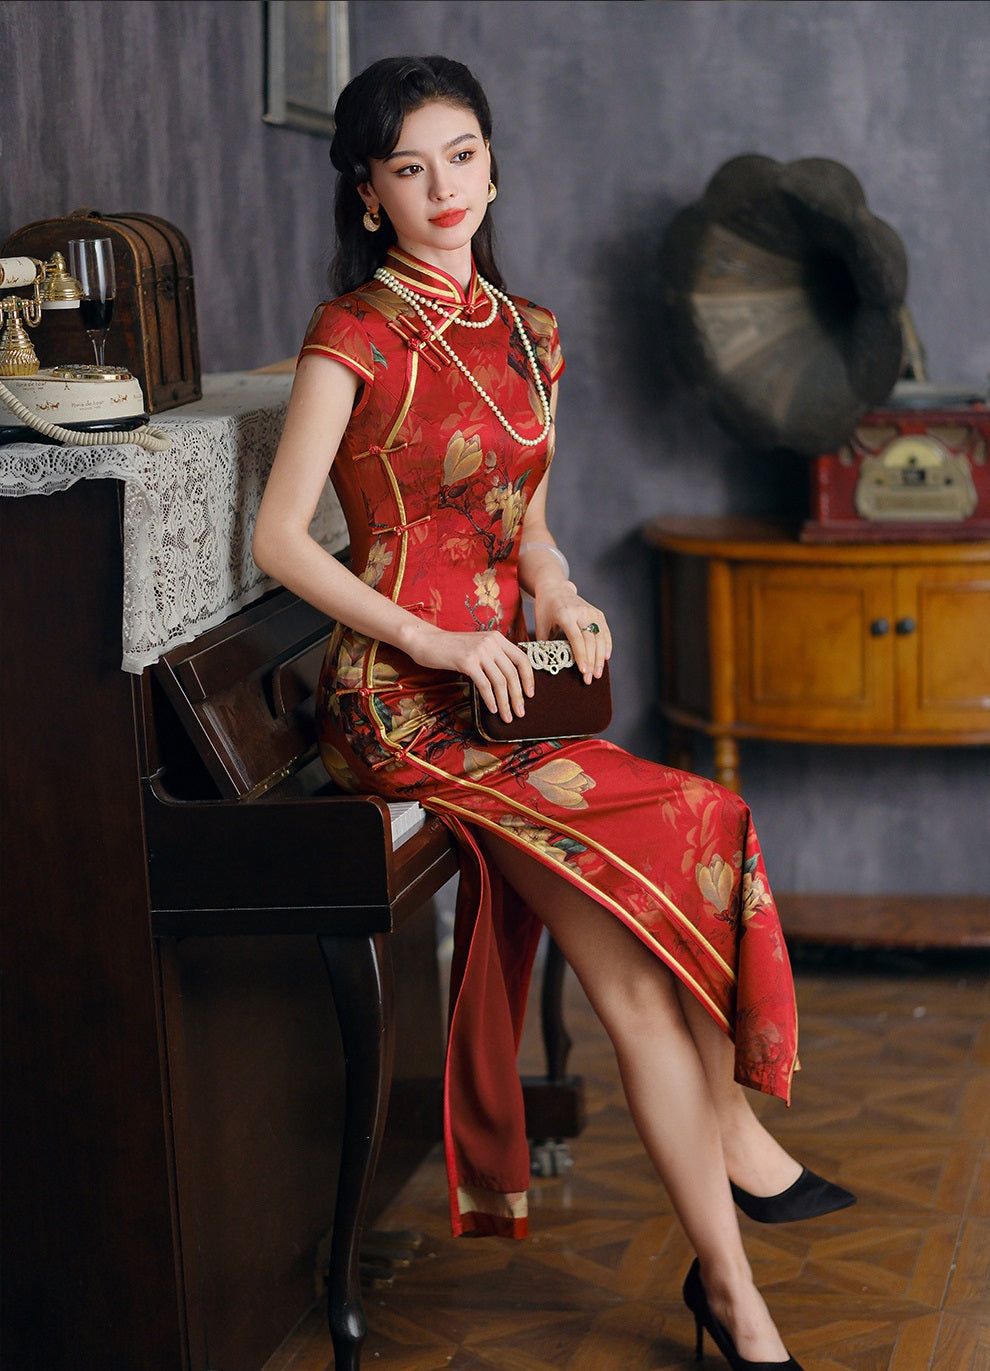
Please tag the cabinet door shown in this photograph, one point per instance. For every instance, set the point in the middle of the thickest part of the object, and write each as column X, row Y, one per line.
column 942, row 637
column 815, row 649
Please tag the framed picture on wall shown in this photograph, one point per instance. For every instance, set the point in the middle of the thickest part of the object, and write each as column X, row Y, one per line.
column 307, row 62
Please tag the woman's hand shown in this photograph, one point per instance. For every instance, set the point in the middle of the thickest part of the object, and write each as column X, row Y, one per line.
column 501, row 671
column 559, row 609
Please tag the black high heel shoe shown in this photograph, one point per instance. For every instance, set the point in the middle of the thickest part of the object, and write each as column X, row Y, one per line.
column 697, row 1301
column 807, row 1198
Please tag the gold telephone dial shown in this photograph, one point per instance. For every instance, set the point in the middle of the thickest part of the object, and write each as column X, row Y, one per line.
column 98, row 406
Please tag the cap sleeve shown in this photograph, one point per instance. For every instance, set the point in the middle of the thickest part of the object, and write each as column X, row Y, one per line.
column 555, row 358
column 543, row 326
column 334, row 332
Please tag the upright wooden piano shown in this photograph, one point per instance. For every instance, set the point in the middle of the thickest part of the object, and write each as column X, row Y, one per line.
column 176, row 1096
column 173, row 1085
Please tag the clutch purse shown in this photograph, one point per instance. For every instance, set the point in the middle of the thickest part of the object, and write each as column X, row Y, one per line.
column 563, row 705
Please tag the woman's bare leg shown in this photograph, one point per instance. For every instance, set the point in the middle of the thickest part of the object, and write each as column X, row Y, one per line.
column 665, row 1082
column 753, row 1157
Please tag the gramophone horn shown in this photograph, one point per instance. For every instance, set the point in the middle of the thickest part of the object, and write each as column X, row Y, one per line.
column 783, row 295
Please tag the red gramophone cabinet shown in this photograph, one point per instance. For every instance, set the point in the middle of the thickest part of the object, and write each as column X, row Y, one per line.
column 906, row 474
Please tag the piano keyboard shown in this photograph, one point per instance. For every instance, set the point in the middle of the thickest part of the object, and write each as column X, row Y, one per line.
column 407, row 817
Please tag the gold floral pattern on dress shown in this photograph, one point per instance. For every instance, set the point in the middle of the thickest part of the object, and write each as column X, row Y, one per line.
column 390, row 307
column 338, row 768
column 563, row 782
column 477, row 762
column 406, row 716
column 486, row 591
column 458, row 547
column 716, row 881
column 510, row 503
column 756, row 897
column 542, row 840
column 462, row 459
column 383, row 676
column 351, row 656
column 379, row 559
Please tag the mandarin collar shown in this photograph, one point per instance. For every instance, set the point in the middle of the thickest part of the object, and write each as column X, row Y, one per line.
column 434, row 282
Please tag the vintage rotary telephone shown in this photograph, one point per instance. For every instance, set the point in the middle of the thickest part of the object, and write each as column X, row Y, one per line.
column 98, row 406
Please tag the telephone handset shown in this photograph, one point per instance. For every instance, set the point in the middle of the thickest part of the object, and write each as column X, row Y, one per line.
column 98, row 406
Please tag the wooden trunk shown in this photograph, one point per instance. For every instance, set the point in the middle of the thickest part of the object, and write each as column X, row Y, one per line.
column 153, row 331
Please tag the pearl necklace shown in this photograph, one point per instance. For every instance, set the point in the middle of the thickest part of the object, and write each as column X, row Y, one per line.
column 421, row 302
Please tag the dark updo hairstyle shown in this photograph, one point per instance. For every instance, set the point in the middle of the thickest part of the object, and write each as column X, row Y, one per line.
column 368, row 116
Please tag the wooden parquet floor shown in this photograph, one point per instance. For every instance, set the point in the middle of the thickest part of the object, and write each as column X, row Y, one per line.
column 893, row 1101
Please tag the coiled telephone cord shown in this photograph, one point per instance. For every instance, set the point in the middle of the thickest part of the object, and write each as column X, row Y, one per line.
column 153, row 439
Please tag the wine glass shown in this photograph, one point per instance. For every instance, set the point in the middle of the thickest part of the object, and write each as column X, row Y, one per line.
column 91, row 263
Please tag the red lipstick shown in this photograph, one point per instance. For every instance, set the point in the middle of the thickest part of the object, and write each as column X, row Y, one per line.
column 449, row 219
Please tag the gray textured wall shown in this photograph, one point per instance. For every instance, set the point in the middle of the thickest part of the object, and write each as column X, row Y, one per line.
column 609, row 116
column 156, row 106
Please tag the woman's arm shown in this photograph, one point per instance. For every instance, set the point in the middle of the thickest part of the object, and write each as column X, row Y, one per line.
column 322, row 398
column 556, row 602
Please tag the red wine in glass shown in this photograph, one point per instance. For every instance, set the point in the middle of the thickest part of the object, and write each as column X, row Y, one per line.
column 91, row 263
column 96, row 315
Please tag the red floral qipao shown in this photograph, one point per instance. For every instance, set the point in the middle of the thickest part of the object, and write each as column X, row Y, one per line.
column 434, row 490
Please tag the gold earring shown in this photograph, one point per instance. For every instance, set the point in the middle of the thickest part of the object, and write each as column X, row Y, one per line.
column 372, row 220
column 492, row 191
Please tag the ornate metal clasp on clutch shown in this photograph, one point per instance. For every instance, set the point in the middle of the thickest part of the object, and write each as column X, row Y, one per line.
column 549, row 654
column 563, row 704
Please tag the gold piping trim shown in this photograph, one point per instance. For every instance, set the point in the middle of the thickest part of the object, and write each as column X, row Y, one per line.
column 341, row 357
column 403, row 410
column 390, row 474
column 420, row 274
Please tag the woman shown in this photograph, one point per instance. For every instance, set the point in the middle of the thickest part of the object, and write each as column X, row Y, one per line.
column 430, row 394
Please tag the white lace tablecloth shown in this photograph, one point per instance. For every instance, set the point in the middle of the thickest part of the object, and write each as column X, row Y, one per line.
column 189, row 512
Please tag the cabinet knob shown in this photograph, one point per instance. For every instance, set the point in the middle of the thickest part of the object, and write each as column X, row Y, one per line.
column 905, row 626
column 880, row 627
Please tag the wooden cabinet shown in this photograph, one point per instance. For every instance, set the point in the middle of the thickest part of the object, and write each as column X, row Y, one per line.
column 766, row 637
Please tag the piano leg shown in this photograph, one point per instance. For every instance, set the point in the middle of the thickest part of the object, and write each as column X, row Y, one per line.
column 361, row 975
column 556, row 1039
column 554, row 1103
